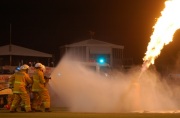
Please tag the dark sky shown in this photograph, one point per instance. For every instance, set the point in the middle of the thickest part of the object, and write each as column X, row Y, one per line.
column 45, row 25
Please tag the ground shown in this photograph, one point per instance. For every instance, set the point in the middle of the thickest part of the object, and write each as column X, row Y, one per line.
column 63, row 113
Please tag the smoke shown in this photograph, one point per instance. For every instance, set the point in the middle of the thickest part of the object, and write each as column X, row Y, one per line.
column 82, row 90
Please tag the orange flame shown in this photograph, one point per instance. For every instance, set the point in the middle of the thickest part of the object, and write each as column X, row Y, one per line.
column 164, row 29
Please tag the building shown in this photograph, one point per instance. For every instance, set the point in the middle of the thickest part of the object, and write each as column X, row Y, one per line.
column 95, row 50
column 13, row 55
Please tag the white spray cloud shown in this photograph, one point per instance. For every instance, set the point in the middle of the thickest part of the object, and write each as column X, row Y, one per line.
column 82, row 90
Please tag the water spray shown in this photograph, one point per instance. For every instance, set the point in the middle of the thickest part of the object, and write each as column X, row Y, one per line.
column 144, row 67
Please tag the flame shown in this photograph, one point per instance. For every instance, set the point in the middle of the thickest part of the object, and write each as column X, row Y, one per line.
column 164, row 29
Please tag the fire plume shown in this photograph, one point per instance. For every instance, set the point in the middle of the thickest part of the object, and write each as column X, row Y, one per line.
column 164, row 29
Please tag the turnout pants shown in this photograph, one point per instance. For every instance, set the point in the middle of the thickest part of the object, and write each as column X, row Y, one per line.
column 41, row 97
column 17, row 99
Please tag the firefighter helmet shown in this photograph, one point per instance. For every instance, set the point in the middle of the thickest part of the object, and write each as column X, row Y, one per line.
column 18, row 68
column 24, row 67
column 38, row 65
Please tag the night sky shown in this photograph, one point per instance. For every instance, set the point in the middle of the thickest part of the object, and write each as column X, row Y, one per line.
column 45, row 25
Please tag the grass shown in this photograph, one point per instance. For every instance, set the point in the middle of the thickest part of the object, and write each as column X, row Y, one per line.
column 61, row 113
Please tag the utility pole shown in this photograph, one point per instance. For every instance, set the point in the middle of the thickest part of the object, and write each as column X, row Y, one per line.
column 10, row 56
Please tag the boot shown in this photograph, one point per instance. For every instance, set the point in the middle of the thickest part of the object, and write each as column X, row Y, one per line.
column 35, row 110
column 13, row 111
column 47, row 110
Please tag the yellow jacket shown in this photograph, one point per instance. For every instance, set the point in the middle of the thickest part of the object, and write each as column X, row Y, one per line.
column 20, row 80
column 38, row 81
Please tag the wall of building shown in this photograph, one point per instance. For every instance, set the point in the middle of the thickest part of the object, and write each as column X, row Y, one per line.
column 112, row 56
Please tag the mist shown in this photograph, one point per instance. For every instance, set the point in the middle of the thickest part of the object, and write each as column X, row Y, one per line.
column 81, row 89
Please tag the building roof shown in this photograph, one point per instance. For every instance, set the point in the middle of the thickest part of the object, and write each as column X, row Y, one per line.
column 93, row 42
column 21, row 51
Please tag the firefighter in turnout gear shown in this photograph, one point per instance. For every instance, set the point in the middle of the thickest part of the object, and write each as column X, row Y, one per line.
column 21, row 80
column 39, row 89
column 11, row 96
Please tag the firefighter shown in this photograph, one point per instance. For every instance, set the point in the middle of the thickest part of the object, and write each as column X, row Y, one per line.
column 21, row 80
column 37, row 98
column 10, row 97
column 39, row 89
